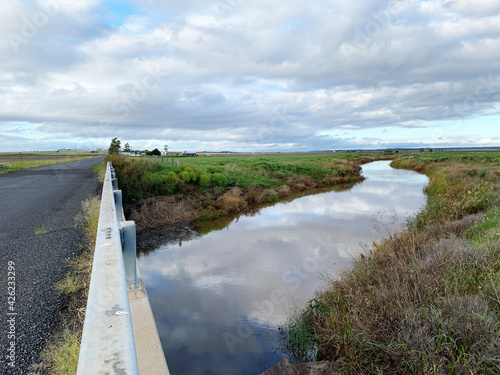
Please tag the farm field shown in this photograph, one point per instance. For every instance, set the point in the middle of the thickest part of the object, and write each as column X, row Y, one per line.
column 237, row 170
column 13, row 161
column 206, row 188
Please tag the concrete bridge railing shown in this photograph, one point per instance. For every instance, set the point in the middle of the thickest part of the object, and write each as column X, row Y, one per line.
column 108, row 343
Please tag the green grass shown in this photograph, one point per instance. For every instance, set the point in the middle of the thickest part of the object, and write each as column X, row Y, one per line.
column 101, row 170
column 425, row 301
column 64, row 357
column 70, row 284
column 487, row 229
column 460, row 183
column 42, row 229
column 17, row 161
column 142, row 178
column 208, row 188
column 265, row 168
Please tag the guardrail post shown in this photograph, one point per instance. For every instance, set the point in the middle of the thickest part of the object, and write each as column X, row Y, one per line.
column 130, row 254
column 114, row 182
column 119, row 206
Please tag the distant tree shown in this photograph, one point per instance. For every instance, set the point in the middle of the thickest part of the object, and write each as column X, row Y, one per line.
column 431, row 150
column 156, row 152
column 422, row 150
column 114, row 147
column 127, row 148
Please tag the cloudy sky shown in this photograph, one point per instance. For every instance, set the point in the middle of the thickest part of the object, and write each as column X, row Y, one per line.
column 249, row 75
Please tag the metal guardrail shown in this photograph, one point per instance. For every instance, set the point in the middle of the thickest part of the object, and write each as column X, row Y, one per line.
column 108, row 345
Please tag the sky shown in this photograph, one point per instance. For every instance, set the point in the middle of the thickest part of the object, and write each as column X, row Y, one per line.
column 249, row 75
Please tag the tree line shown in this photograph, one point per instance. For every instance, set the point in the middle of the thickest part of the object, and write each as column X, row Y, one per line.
column 115, row 147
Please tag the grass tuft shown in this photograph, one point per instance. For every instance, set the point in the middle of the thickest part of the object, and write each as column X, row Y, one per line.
column 64, row 358
column 42, row 229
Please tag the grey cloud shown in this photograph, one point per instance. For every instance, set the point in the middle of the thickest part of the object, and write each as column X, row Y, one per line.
column 255, row 68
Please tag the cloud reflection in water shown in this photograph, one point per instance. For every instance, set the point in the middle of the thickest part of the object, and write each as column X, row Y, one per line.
column 224, row 282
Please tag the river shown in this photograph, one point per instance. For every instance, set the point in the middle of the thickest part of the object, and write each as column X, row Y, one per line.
column 218, row 296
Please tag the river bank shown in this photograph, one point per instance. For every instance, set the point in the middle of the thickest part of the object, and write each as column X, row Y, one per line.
column 205, row 189
column 423, row 301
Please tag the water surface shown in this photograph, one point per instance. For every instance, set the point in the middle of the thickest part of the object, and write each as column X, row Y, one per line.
column 219, row 297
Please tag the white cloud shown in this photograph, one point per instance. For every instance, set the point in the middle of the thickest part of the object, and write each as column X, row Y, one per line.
column 260, row 75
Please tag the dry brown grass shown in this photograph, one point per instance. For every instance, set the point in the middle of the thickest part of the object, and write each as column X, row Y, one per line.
column 284, row 190
column 231, row 201
column 160, row 211
column 417, row 304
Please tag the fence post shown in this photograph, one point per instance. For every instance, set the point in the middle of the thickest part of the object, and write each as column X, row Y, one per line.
column 178, row 162
column 129, row 246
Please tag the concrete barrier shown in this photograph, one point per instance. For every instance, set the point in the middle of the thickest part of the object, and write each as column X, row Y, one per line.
column 109, row 334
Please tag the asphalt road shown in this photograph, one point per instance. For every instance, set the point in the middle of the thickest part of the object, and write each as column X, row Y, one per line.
column 43, row 199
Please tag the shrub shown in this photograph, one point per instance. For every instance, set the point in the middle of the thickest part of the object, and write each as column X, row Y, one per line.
column 218, row 179
column 187, row 176
column 168, row 184
column 205, row 180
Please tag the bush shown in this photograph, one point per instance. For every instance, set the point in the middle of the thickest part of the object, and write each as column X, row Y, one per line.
column 218, row 179
column 205, row 180
column 168, row 184
column 188, row 176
